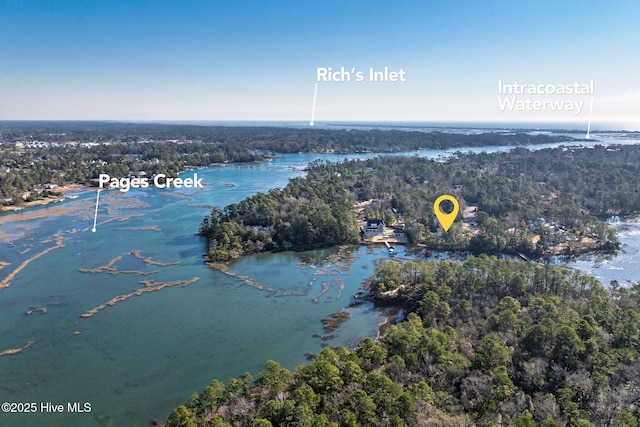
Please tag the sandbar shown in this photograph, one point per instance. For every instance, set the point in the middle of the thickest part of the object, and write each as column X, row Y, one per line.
column 7, row 280
column 13, row 351
column 110, row 267
column 150, row 286
column 147, row 260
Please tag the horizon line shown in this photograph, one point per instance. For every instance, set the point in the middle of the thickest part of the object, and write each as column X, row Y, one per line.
column 451, row 124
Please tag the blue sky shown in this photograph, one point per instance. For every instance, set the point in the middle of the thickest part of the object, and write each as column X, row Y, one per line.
column 257, row 60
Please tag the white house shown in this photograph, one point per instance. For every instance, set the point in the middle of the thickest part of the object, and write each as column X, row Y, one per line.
column 373, row 227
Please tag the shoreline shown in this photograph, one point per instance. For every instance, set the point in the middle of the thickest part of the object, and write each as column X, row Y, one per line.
column 60, row 191
column 222, row 265
column 61, row 195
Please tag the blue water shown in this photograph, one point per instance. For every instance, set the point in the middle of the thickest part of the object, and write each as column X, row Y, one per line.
column 624, row 266
column 143, row 356
column 138, row 359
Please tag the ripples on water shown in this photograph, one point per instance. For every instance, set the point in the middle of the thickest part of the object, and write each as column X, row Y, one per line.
column 144, row 355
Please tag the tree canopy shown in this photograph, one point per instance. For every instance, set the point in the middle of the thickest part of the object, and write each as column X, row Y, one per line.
column 537, row 345
column 534, row 203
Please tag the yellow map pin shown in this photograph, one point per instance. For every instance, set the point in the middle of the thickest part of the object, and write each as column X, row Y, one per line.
column 446, row 219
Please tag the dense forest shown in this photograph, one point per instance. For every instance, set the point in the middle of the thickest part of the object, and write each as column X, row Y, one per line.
column 486, row 342
column 38, row 154
column 273, row 139
column 534, row 203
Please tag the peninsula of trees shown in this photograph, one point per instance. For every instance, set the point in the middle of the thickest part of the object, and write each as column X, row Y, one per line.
column 533, row 203
column 486, row 342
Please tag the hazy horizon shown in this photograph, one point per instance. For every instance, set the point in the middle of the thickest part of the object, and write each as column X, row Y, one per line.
column 489, row 125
